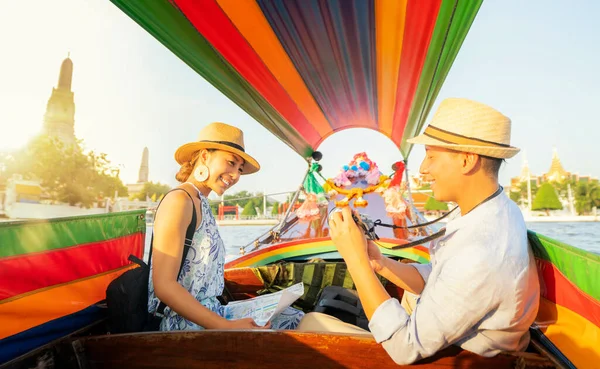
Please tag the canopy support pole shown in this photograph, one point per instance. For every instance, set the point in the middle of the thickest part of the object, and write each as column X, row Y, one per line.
column 410, row 198
column 294, row 199
column 274, row 232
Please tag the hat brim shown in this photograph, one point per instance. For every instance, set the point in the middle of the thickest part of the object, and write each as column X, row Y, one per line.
column 494, row 152
column 184, row 154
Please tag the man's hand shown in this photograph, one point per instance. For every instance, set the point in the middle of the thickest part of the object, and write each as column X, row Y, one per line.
column 347, row 237
column 376, row 258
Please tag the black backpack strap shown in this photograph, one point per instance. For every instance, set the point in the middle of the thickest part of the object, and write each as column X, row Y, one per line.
column 187, row 244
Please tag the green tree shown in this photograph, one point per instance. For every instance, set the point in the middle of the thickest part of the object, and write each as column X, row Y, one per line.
column 66, row 173
column 515, row 196
column 275, row 209
column 546, row 199
column 521, row 195
column 433, row 204
column 249, row 209
column 151, row 188
column 587, row 196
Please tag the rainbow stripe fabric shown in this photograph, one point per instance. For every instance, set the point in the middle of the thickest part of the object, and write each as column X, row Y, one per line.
column 53, row 272
column 569, row 314
column 305, row 69
column 316, row 247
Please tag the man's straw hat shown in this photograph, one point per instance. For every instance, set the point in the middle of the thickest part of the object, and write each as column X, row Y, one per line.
column 219, row 136
column 468, row 126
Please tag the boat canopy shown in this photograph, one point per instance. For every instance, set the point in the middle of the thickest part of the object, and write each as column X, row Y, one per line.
column 305, row 69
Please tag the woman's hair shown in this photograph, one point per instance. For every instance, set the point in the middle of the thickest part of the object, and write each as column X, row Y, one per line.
column 186, row 168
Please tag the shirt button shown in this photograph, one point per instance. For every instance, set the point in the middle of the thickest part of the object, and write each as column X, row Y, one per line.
column 442, row 243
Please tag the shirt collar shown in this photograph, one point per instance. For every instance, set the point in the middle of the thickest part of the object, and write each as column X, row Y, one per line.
column 475, row 215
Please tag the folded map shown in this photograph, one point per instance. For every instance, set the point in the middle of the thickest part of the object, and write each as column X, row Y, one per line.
column 264, row 308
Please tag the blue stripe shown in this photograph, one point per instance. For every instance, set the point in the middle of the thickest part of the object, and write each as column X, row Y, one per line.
column 21, row 343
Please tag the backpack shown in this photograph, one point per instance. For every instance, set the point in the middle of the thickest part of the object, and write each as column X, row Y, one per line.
column 343, row 304
column 127, row 295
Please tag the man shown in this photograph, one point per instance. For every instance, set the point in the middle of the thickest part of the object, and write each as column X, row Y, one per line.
column 480, row 290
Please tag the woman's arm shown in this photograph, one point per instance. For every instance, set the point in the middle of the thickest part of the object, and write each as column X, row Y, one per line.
column 171, row 222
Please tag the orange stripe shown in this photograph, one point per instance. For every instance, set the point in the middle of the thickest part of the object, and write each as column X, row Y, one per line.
column 307, row 247
column 576, row 337
column 389, row 27
column 452, row 138
column 251, row 23
column 31, row 310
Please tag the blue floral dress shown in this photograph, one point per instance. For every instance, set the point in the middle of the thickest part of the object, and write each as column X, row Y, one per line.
column 203, row 276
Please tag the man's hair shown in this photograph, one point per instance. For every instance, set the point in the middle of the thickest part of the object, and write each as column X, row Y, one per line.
column 491, row 165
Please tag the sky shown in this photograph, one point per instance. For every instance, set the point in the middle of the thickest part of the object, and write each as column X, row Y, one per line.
column 535, row 61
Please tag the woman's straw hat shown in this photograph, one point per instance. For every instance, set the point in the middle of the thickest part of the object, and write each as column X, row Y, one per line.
column 219, row 136
column 468, row 126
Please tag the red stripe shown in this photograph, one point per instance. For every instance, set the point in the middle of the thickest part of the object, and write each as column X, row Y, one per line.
column 421, row 17
column 30, row 272
column 555, row 287
column 312, row 240
column 210, row 20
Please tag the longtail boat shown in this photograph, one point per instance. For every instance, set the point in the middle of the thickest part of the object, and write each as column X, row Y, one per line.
column 304, row 69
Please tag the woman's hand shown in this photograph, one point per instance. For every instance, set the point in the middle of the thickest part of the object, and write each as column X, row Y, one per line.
column 246, row 323
column 347, row 237
column 376, row 258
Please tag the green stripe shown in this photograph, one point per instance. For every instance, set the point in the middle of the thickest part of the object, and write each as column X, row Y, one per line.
column 580, row 267
column 26, row 237
column 169, row 26
column 446, row 41
column 315, row 251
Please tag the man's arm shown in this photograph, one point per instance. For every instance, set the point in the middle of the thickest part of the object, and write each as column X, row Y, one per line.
column 459, row 299
column 409, row 277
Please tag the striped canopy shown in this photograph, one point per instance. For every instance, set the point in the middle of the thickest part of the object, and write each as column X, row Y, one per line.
column 305, row 69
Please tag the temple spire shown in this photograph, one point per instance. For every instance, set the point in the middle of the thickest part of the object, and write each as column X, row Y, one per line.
column 66, row 74
column 144, row 167
column 59, row 120
column 556, row 173
column 525, row 171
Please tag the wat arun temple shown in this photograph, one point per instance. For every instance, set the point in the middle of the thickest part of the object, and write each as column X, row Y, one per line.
column 58, row 123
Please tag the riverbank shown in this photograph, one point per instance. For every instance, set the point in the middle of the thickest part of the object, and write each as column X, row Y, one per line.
column 562, row 218
column 247, row 222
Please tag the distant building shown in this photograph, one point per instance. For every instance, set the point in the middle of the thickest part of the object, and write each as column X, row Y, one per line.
column 143, row 174
column 557, row 173
column 59, row 120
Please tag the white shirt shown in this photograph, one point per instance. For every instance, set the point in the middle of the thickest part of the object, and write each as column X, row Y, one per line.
column 481, row 290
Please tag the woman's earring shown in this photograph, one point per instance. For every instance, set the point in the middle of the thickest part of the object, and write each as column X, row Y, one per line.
column 201, row 173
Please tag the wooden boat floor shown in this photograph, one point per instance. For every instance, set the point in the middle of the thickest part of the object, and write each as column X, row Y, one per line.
column 267, row 349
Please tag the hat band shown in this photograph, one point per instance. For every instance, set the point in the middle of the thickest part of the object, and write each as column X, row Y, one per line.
column 227, row 143
column 455, row 138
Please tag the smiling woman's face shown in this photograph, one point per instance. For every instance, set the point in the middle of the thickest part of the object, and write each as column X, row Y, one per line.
column 224, row 168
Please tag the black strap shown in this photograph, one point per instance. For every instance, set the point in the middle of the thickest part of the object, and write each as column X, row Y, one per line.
column 187, row 244
column 432, row 237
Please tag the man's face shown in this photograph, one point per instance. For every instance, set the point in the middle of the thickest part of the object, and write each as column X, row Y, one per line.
column 441, row 167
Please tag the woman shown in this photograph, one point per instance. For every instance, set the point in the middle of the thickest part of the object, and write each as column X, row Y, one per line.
column 214, row 163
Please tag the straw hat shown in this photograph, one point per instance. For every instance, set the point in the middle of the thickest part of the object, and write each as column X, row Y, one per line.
column 219, row 136
column 468, row 126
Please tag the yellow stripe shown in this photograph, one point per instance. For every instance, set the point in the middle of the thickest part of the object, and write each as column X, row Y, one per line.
column 389, row 26
column 576, row 337
column 452, row 138
column 49, row 304
column 254, row 27
column 307, row 247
